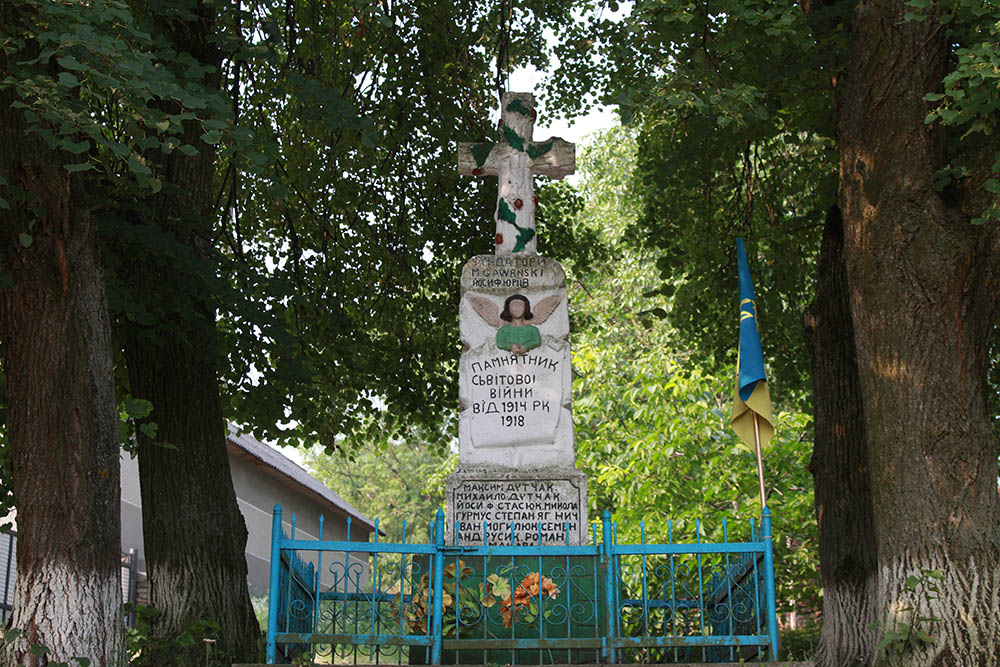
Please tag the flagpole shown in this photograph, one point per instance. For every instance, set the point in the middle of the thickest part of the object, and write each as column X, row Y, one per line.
column 760, row 462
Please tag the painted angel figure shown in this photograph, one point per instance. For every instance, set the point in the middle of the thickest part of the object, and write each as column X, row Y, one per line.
column 513, row 331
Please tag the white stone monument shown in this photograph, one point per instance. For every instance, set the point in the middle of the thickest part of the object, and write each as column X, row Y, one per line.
column 517, row 463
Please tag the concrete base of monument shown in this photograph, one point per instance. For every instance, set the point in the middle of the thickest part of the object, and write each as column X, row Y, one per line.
column 524, row 507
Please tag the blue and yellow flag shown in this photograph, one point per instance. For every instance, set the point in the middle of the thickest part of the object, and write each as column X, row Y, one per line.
column 751, row 395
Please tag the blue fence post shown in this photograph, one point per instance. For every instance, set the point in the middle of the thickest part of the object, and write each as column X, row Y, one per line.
column 437, row 625
column 772, row 613
column 317, row 588
column 272, row 599
column 608, row 558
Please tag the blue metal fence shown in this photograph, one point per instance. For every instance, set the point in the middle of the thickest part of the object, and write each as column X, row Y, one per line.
column 434, row 603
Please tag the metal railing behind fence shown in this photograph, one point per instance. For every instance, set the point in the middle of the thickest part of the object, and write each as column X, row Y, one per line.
column 434, row 603
column 8, row 561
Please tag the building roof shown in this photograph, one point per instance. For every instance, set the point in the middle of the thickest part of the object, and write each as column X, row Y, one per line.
column 285, row 467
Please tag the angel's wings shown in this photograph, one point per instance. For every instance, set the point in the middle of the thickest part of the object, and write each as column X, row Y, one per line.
column 487, row 310
column 544, row 308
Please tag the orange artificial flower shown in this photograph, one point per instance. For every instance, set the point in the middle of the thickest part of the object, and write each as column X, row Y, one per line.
column 526, row 590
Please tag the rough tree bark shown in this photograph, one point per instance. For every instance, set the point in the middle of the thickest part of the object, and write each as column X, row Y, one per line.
column 924, row 299
column 839, row 465
column 62, row 423
column 193, row 531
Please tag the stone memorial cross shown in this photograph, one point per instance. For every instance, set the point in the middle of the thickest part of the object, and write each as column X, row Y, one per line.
column 517, row 481
column 515, row 161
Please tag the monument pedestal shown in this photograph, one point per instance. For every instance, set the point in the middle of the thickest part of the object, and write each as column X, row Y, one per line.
column 517, row 482
column 538, row 505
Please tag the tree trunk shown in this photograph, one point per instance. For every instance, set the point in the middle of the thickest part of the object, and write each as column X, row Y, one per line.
column 840, row 465
column 62, row 423
column 924, row 298
column 193, row 532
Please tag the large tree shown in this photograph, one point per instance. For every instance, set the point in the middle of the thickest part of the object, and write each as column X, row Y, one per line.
column 749, row 112
column 120, row 95
column 920, row 275
column 193, row 532
column 321, row 210
column 61, row 421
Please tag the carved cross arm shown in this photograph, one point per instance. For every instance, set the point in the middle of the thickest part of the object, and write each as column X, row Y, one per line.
column 480, row 159
column 554, row 158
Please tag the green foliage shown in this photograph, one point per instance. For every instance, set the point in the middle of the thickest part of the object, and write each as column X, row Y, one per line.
column 731, row 145
column 91, row 85
column 652, row 422
column 343, row 226
column 130, row 413
column 12, row 634
column 922, row 590
column 395, row 475
column 144, row 649
column 800, row 643
column 968, row 101
column 559, row 235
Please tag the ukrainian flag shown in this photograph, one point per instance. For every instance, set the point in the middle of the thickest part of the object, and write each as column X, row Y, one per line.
column 751, row 395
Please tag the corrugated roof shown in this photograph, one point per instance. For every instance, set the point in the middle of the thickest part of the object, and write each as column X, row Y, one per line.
column 281, row 463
